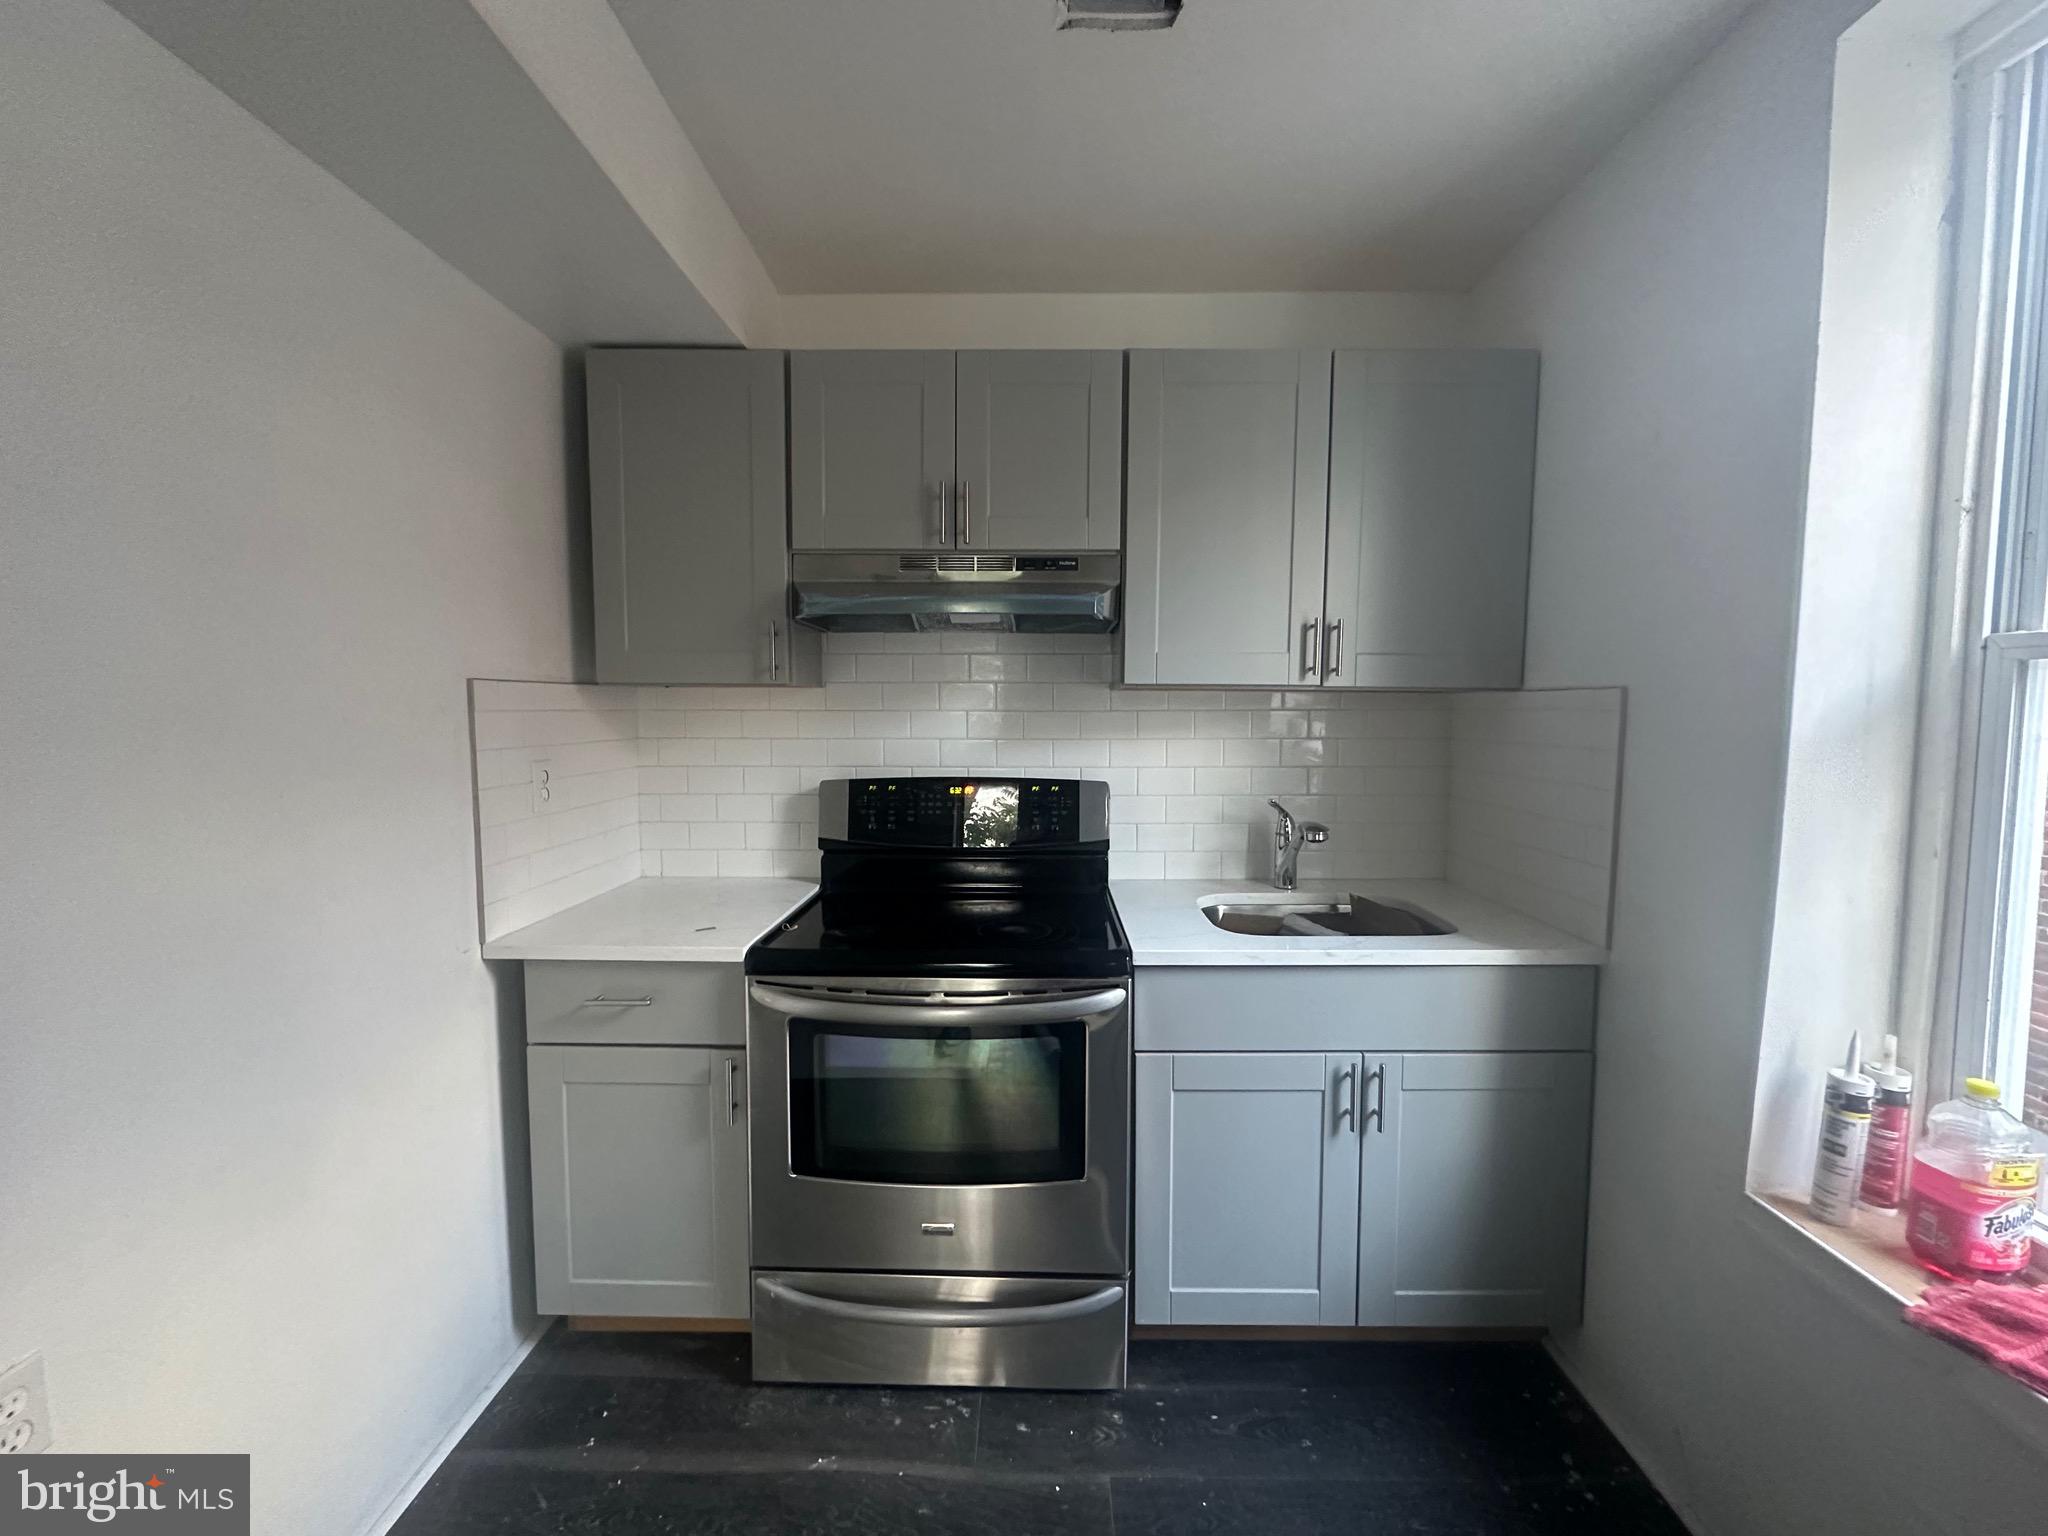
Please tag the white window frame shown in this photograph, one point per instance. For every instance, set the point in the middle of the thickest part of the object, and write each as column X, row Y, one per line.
column 1987, row 621
column 2004, row 869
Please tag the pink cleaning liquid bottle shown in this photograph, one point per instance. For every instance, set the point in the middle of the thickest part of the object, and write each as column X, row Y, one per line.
column 1970, row 1202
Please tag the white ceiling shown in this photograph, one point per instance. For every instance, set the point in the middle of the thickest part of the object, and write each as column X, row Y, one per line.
column 966, row 146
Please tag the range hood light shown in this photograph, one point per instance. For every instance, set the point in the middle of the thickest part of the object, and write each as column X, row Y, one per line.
column 921, row 590
column 1117, row 15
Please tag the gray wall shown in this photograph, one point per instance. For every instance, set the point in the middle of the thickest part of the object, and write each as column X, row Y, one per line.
column 1675, row 296
column 273, row 482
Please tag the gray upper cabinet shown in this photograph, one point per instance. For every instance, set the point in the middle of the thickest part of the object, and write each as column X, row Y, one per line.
column 1040, row 450
column 1472, row 1201
column 1228, row 456
column 1432, row 458
column 688, row 519
column 639, row 1180
column 983, row 451
column 1246, row 1206
column 871, row 450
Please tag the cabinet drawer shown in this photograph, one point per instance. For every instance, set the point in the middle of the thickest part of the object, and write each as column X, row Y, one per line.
column 574, row 1002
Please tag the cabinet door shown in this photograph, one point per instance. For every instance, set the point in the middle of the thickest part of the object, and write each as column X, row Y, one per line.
column 1229, row 460
column 1040, row 450
column 1432, row 463
column 688, row 521
column 639, row 1180
column 1247, row 1188
column 1472, row 1202
column 871, row 450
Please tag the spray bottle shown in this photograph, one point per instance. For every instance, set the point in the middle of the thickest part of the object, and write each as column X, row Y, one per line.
column 1844, row 1138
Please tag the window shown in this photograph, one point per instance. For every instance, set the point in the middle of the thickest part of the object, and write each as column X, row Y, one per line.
column 1995, row 988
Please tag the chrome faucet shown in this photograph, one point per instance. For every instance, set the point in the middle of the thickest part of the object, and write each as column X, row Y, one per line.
column 1288, row 837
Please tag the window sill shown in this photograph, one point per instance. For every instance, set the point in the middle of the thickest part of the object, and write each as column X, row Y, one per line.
column 1875, row 1246
column 1869, row 1267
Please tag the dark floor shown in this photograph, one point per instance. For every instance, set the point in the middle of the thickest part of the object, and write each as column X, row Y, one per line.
column 633, row 1434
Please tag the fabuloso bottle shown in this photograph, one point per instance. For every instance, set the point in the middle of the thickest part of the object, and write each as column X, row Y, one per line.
column 1891, row 1130
column 1970, row 1212
column 1844, row 1137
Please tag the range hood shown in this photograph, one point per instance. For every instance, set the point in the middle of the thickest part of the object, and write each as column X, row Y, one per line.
column 1028, row 594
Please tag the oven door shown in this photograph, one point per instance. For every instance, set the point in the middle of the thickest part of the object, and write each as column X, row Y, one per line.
column 962, row 1127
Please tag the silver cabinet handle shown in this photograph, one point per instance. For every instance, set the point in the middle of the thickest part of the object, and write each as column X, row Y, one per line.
column 939, row 494
column 1309, row 629
column 774, row 653
column 945, row 1317
column 1348, row 1110
column 1333, row 648
column 1377, row 1115
column 732, row 1090
column 833, row 1010
column 966, row 512
column 601, row 1001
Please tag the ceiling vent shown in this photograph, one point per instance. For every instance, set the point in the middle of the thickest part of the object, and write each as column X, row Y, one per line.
column 1118, row 15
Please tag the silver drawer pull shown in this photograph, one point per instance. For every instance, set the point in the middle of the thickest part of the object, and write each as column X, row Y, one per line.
column 1062, row 1009
column 601, row 1001
column 944, row 1317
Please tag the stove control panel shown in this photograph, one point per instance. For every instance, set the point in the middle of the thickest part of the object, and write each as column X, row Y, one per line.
column 963, row 813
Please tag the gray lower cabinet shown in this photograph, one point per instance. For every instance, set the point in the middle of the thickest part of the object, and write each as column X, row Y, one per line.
column 639, row 1180
column 688, row 519
column 1432, row 468
column 1228, row 460
column 1247, row 1188
column 1431, row 1189
column 1472, row 1190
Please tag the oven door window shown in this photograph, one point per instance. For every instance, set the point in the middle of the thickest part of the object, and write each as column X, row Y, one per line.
column 888, row 1104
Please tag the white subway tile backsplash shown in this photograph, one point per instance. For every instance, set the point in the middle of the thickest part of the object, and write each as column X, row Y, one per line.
column 1166, row 781
column 967, row 696
column 882, row 669
column 536, row 857
column 1017, row 696
column 1162, row 836
column 1512, row 794
column 941, row 668
column 1532, row 801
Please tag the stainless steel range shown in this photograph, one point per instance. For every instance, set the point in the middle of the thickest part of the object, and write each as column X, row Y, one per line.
column 939, row 1058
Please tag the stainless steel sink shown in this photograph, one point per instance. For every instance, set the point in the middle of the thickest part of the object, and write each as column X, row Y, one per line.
column 1357, row 918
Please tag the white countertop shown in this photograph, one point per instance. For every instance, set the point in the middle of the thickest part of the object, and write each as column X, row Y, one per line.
column 659, row 919
column 1166, row 927
column 715, row 920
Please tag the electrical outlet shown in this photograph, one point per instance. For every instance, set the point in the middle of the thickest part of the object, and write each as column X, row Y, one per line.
column 543, row 786
column 24, row 1408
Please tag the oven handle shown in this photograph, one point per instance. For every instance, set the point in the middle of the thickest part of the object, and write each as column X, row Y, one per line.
column 945, row 1317
column 836, row 1010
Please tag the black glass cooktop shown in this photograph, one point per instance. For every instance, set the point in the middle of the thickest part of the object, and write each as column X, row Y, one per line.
column 1063, row 935
column 952, row 876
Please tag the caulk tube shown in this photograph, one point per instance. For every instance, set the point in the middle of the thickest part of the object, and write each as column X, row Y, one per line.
column 1844, row 1138
column 1891, row 1130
